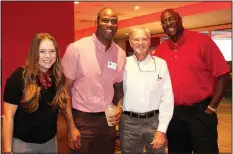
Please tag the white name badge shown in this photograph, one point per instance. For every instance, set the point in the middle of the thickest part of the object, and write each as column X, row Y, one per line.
column 112, row 65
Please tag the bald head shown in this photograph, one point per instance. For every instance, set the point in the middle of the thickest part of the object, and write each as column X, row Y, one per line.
column 107, row 25
column 172, row 24
column 170, row 11
column 106, row 11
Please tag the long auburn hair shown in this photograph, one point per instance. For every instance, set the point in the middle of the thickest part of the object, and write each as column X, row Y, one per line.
column 31, row 92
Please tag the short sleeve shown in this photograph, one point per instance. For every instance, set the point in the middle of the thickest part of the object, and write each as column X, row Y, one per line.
column 14, row 87
column 214, row 58
column 70, row 62
column 122, row 63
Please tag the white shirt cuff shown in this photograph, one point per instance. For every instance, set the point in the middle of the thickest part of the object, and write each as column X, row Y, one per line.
column 162, row 128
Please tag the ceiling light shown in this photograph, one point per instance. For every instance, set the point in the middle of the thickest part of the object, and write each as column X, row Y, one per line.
column 76, row 2
column 126, row 33
column 136, row 7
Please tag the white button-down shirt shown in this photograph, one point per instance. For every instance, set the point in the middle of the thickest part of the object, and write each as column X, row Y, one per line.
column 148, row 89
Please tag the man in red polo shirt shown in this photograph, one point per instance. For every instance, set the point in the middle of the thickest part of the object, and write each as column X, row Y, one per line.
column 199, row 76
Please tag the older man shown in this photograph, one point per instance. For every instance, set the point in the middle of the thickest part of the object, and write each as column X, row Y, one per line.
column 148, row 98
column 94, row 68
column 199, row 75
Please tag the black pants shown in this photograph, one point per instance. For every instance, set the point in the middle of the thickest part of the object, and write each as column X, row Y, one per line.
column 192, row 129
column 96, row 136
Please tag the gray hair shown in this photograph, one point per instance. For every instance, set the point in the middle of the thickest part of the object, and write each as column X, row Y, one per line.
column 147, row 30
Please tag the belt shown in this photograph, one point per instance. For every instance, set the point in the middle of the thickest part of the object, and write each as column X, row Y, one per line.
column 142, row 115
column 201, row 104
column 89, row 113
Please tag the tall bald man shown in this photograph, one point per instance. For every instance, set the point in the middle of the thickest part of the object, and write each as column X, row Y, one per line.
column 199, row 76
column 94, row 68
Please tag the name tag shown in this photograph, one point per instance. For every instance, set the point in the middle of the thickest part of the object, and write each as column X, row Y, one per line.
column 112, row 65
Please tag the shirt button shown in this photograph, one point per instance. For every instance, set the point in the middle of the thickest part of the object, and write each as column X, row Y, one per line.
column 175, row 55
column 175, row 50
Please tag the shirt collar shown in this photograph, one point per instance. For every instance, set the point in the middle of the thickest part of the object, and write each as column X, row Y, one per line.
column 148, row 58
column 180, row 41
column 99, row 45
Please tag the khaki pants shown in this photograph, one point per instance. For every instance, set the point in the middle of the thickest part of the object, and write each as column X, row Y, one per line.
column 137, row 134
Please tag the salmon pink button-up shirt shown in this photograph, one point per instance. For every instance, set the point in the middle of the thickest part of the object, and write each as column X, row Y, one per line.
column 94, row 72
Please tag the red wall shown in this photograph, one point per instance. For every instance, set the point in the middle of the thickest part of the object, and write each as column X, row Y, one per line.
column 22, row 20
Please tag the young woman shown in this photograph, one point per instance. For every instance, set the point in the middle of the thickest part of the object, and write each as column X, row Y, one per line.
column 33, row 94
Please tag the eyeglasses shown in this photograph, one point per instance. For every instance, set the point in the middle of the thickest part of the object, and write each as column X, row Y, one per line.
column 171, row 19
column 146, row 70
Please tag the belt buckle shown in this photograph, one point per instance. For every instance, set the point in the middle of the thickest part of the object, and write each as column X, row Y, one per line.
column 201, row 105
column 153, row 113
column 130, row 114
column 198, row 104
column 141, row 114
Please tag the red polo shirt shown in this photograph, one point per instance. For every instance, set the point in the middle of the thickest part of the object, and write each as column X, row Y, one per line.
column 194, row 63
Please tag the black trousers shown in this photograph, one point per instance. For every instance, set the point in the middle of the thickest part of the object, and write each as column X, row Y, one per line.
column 96, row 136
column 192, row 129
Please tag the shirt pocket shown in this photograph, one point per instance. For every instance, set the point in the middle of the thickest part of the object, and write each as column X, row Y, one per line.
column 154, row 81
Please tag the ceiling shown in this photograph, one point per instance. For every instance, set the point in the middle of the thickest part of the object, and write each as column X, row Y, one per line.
column 84, row 18
column 189, row 22
column 195, row 14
